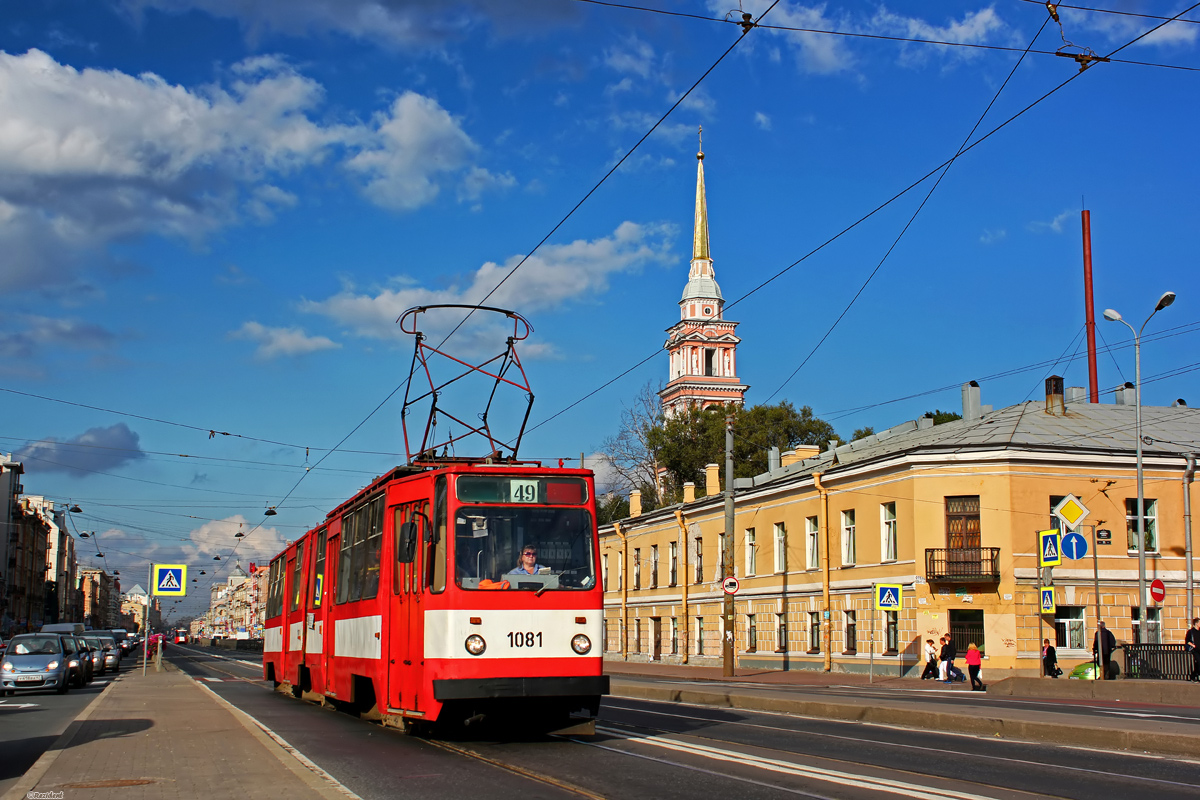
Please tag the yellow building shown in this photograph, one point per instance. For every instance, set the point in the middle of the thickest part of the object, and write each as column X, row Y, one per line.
column 950, row 512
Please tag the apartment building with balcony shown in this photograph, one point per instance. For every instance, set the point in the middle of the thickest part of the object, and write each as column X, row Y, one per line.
column 949, row 512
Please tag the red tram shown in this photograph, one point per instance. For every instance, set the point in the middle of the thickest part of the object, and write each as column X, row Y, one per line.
column 444, row 593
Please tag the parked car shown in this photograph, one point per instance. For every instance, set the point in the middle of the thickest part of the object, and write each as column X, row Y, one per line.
column 81, row 653
column 1087, row 671
column 112, row 650
column 37, row 661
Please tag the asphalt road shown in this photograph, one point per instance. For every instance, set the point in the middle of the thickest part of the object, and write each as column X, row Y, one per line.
column 31, row 721
column 668, row 751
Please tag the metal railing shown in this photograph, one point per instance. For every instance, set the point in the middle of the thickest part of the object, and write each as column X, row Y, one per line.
column 969, row 565
column 1167, row 662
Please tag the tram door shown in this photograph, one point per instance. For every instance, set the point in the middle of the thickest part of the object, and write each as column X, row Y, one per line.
column 406, row 629
column 314, row 619
column 294, row 627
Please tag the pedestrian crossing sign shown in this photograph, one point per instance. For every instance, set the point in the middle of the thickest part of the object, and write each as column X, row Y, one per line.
column 1048, row 606
column 1049, row 549
column 170, row 580
column 889, row 597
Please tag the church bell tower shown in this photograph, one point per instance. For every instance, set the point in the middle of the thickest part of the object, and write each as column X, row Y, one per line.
column 702, row 344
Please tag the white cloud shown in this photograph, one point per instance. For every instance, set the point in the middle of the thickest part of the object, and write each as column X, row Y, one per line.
column 633, row 56
column 762, row 120
column 1055, row 225
column 557, row 274
column 33, row 333
column 88, row 157
column 990, row 236
column 276, row 342
column 1118, row 29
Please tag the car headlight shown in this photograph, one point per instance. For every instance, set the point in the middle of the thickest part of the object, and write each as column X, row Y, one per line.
column 581, row 644
column 7, row 666
column 51, row 665
column 475, row 644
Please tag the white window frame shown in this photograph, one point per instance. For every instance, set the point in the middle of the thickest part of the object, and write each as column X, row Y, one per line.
column 812, row 542
column 849, row 545
column 751, row 553
column 674, row 563
column 780, row 547
column 720, row 575
column 1151, row 524
column 887, row 531
column 781, row 633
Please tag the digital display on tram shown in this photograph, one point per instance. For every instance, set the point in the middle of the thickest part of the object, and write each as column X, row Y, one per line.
column 523, row 547
column 521, row 489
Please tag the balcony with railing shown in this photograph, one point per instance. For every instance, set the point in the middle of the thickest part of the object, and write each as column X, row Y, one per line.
column 962, row 565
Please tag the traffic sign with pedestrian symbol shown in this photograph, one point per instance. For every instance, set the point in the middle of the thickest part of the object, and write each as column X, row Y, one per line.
column 1049, row 549
column 1074, row 546
column 889, row 597
column 169, row 580
column 1048, row 606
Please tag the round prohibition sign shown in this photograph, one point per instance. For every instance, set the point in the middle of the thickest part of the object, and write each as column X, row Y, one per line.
column 730, row 585
column 1158, row 591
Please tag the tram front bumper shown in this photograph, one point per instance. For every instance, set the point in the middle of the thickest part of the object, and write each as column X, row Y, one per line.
column 486, row 688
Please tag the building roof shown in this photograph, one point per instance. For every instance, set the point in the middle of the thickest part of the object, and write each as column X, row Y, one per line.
column 1083, row 428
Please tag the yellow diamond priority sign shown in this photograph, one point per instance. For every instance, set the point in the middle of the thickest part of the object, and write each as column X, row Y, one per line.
column 1071, row 511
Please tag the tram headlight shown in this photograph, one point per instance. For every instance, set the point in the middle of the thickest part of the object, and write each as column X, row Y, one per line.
column 581, row 644
column 475, row 644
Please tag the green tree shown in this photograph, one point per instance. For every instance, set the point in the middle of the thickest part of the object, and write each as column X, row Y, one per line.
column 942, row 416
column 862, row 433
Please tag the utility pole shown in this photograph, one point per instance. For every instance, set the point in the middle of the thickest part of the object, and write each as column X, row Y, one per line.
column 727, row 552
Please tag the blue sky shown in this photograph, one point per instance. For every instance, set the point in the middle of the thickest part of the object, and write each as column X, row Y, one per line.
column 212, row 212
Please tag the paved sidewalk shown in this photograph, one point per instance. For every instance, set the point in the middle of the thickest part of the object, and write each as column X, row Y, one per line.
column 907, row 702
column 163, row 736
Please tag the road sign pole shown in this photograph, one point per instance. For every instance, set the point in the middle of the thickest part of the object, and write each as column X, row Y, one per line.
column 149, row 597
column 872, row 678
column 1096, row 583
column 1041, row 617
column 727, row 551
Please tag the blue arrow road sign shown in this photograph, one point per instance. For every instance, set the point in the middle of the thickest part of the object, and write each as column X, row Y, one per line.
column 1074, row 546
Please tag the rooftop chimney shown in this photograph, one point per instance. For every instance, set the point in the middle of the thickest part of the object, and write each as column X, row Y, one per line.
column 1076, row 394
column 1126, row 395
column 712, row 480
column 926, row 421
column 635, row 503
column 801, row 452
column 773, row 461
column 1180, row 403
column 689, row 492
column 970, row 401
column 1054, row 396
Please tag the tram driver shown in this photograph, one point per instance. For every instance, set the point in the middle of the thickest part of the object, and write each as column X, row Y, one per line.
column 528, row 563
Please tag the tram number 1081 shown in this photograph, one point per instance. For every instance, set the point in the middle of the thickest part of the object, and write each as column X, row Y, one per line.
column 524, row 639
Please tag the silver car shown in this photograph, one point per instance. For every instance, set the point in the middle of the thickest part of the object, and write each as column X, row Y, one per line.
column 37, row 661
column 99, row 663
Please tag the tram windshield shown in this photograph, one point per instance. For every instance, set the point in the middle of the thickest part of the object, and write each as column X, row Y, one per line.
column 538, row 548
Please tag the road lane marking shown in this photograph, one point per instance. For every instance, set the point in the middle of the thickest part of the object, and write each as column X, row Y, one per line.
column 797, row 770
column 856, row 740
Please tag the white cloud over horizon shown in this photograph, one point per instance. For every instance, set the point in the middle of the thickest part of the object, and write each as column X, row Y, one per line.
column 94, row 450
column 278, row 342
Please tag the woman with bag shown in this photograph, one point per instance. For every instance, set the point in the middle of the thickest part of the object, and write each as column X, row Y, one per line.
column 1050, row 659
column 974, row 662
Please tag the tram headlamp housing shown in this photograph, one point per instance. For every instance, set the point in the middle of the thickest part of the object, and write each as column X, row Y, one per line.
column 475, row 644
column 581, row 644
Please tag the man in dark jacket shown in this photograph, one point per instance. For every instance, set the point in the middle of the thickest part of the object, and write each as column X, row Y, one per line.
column 949, row 653
column 1191, row 643
column 1102, row 647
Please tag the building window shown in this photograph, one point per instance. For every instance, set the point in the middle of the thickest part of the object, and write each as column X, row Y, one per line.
column 604, row 633
column 720, row 556
column 1069, row 628
column 891, row 631
column 699, row 559
column 966, row 627
column 751, row 553
column 814, row 631
column 887, row 528
column 1153, row 625
column 699, row 636
column 654, row 566
column 674, row 635
column 674, row 553
column 709, row 359
column 1151, row 524
column 604, row 564
column 637, row 568
column 780, row 547
column 813, row 544
column 962, row 522
column 848, row 546
column 781, row 636
column 751, row 633
column 637, row 634
column 851, row 632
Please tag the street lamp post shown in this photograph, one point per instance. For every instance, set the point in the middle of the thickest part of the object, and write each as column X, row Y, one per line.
column 1112, row 316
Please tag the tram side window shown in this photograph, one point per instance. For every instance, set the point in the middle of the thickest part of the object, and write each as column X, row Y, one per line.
column 354, row 533
column 436, row 561
column 372, row 518
column 344, row 561
column 297, row 572
column 319, row 569
column 275, row 589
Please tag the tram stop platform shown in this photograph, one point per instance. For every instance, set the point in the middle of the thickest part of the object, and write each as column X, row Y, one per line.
column 1134, row 715
column 161, row 735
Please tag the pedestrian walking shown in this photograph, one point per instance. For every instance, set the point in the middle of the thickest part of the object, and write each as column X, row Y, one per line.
column 953, row 673
column 1191, row 643
column 931, row 661
column 1102, row 648
column 1050, row 659
column 943, row 663
column 974, row 662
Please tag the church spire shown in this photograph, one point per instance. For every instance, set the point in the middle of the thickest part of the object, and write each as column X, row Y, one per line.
column 700, row 231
